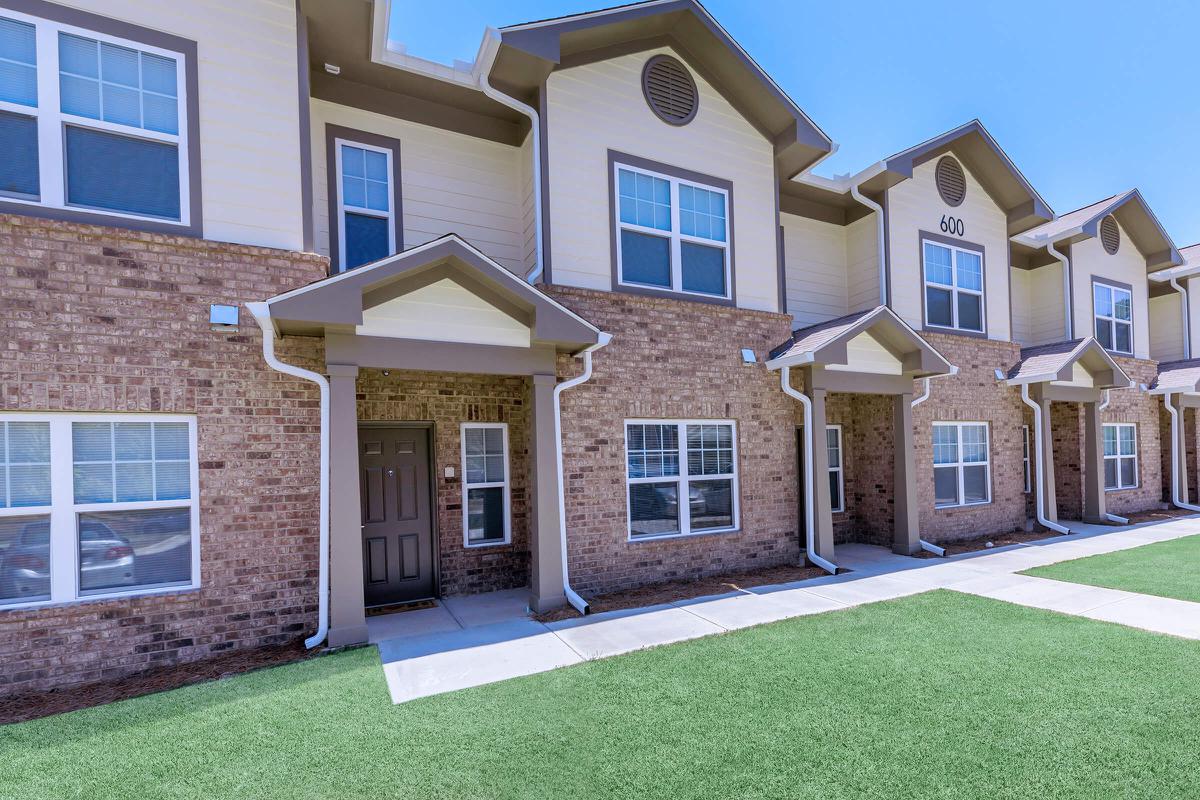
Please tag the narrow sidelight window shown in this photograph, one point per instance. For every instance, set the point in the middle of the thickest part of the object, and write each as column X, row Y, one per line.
column 953, row 287
column 1025, row 458
column 366, row 203
column 833, row 442
column 1113, row 308
column 486, row 488
column 1120, row 456
column 672, row 234
column 961, row 470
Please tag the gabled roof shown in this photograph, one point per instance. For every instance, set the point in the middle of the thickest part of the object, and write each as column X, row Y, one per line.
column 1056, row 362
column 1130, row 210
column 336, row 303
column 1177, row 376
column 531, row 51
column 826, row 343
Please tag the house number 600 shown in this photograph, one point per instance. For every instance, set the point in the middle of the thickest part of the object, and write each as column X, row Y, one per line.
column 953, row 225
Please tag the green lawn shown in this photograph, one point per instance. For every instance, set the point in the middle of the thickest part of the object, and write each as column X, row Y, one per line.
column 939, row 695
column 1166, row 569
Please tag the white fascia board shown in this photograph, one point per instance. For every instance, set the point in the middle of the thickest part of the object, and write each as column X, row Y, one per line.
column 790, row 361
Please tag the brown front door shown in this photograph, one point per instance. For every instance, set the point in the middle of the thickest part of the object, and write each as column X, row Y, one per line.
column 397, row 526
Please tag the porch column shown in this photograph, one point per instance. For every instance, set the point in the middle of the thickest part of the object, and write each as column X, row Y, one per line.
column 347, row 619
column 1093, row 464
column 546, row 546
column 1049, row 499
column 822, row 508
column 907, row 540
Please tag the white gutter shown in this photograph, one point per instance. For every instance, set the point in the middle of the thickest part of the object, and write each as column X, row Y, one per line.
column 483, row 71
column 785, row 381
column 881, row 232
column 925, row 394
column 1187, row 338
column 573, row 597
column 1103, row 405
column 1039, row 492
column 1175, row 456
column 262, row 315
column 1069, row 323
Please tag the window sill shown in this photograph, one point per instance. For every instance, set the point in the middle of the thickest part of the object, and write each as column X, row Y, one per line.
column 98, row 598
column 929, row 326
column 1122, row 489
column 670, row 294
column 962, row 506
column 689, row 535
column 485, row 545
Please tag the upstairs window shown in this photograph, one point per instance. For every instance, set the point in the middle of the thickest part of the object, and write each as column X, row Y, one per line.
column 92, row 123
column 953, row 287
column 366, row 205
column 1113, row 306
column 672, row 234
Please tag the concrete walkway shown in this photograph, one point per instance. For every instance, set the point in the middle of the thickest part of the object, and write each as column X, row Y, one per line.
column 472, row 641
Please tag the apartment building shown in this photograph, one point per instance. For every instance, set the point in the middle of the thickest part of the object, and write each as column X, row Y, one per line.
column 298, row 325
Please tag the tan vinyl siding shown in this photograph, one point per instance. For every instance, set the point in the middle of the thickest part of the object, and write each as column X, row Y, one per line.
column 451, row 183
column 596, row 107
column 1192, row 285
column 249, row 112
column 862, row 264
column 1166, row 327
column 815, row 263
column 1047, row 314
column 528, row 211
column 1127, row 265
column 1022, row 318
column 914, row 206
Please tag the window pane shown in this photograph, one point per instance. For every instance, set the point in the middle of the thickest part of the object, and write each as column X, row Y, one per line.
column 1122, row 305
column 1102, row 299
column 132, row 441
column 703, row 268
column 945, row 486
column 835, row 491
column 28, row 442
column 79, row 96
column 1128, row 472
column 710, row 449
column 832, row 441
column 937, row 306
column 172, row 481
column 91, row 441
column 121, row 105
column 1110, row 473
column 121, row 550
column 29, row 485
column 970, row 270
column 644, row 200
column 494, row 469
column 78, row 56
column 1128, row 439
column 975, row 489
column 974, row 443
column 645, row 259
column 653, row 509
column 945, row 444
column 475, row 468
column 18, row 62
column 171, row 441
column 473, row 441
column 1110, row 440
column 702, row 213
column 493, row 441
column 93, row 483
column 18, row 142
column 1124, row 340
column 134, row 482
column 158, row 75
column 970, row 312
column 1104, row 333
column 710, row 504
column 367, row 239
column 485, row 514
column 120, row 173
column 24, row 559
column 653, row 450
column 937, row 264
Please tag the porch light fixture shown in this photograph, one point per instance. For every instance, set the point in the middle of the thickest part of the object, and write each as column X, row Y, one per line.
column 1000, row 376
column 748, row 356
column 333, row 69
column 223, row 318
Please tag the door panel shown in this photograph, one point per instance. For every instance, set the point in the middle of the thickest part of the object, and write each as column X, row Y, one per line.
column 397, row 523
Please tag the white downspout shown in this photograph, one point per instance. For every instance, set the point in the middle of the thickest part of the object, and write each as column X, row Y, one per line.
column 262, row 315
column 1103, row 405
column 1187, row 337
column 1069, row 323
column 881, row 231
column 1175, row 456
column 785, row 381
column 535, row 130
column 930, row 546
column 1037, row 443
column 573, row 597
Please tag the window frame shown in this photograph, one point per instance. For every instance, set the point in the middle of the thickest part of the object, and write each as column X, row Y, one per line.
column 506, row 484
column 960, row 464
column 954, row 245
column 839, row 469
column 1025, row 462
column 675, row 176
column 333, row 169
column 683, row 479
column 52, row 122
column 1112, row 287
column 343, row 208
column 1137, row 477
column 63, row 511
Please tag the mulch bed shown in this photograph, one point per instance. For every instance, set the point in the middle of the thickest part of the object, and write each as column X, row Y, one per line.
column 34, row 705
column 674, row 591
column 988, row 542
column 1157, row 516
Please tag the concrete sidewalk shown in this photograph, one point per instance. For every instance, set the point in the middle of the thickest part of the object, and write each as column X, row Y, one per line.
column 491, row 641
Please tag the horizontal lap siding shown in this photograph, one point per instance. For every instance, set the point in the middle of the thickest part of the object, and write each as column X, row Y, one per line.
column 1047, row 313
column 815, row 264
column 862, row 264
column 1166, row 327
column 1128, row 266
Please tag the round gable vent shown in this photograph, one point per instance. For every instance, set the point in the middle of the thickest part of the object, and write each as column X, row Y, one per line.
column 669, row 89
column 951, row 181
column 1110, row 235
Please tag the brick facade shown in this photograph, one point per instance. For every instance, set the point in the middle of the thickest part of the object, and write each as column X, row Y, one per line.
column 868, row 471
column 101, row 319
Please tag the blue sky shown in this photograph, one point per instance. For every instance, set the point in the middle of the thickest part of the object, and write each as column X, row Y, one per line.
column 1088, row 98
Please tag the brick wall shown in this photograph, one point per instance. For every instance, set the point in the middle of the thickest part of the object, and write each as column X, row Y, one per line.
column 1066, row 429
column 1134, row 405
column 672, row 359
column 100, row 319
column 869, row 468
column 447, row 400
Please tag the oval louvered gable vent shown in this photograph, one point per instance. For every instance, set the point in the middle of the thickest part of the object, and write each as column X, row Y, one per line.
column 1110, row 235
column 670, row 91
column 951, row 181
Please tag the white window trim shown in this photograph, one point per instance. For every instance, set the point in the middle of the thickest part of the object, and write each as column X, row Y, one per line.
column 52, row 122
column 1112, row 319
column 841, row 507
column 506, row 484
column 342, row 207
column 958, row 465
column 674, row 235
column 1025, row 459
column 63, row 510
column 683, row 479
column 954, row 289
column 1137, row 477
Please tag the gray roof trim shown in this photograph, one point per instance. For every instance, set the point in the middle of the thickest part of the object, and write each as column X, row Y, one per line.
column 1047, row 363
column 1177, row 376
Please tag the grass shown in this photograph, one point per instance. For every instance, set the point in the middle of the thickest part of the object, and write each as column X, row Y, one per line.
column 1166, row 569
column 939, row 695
